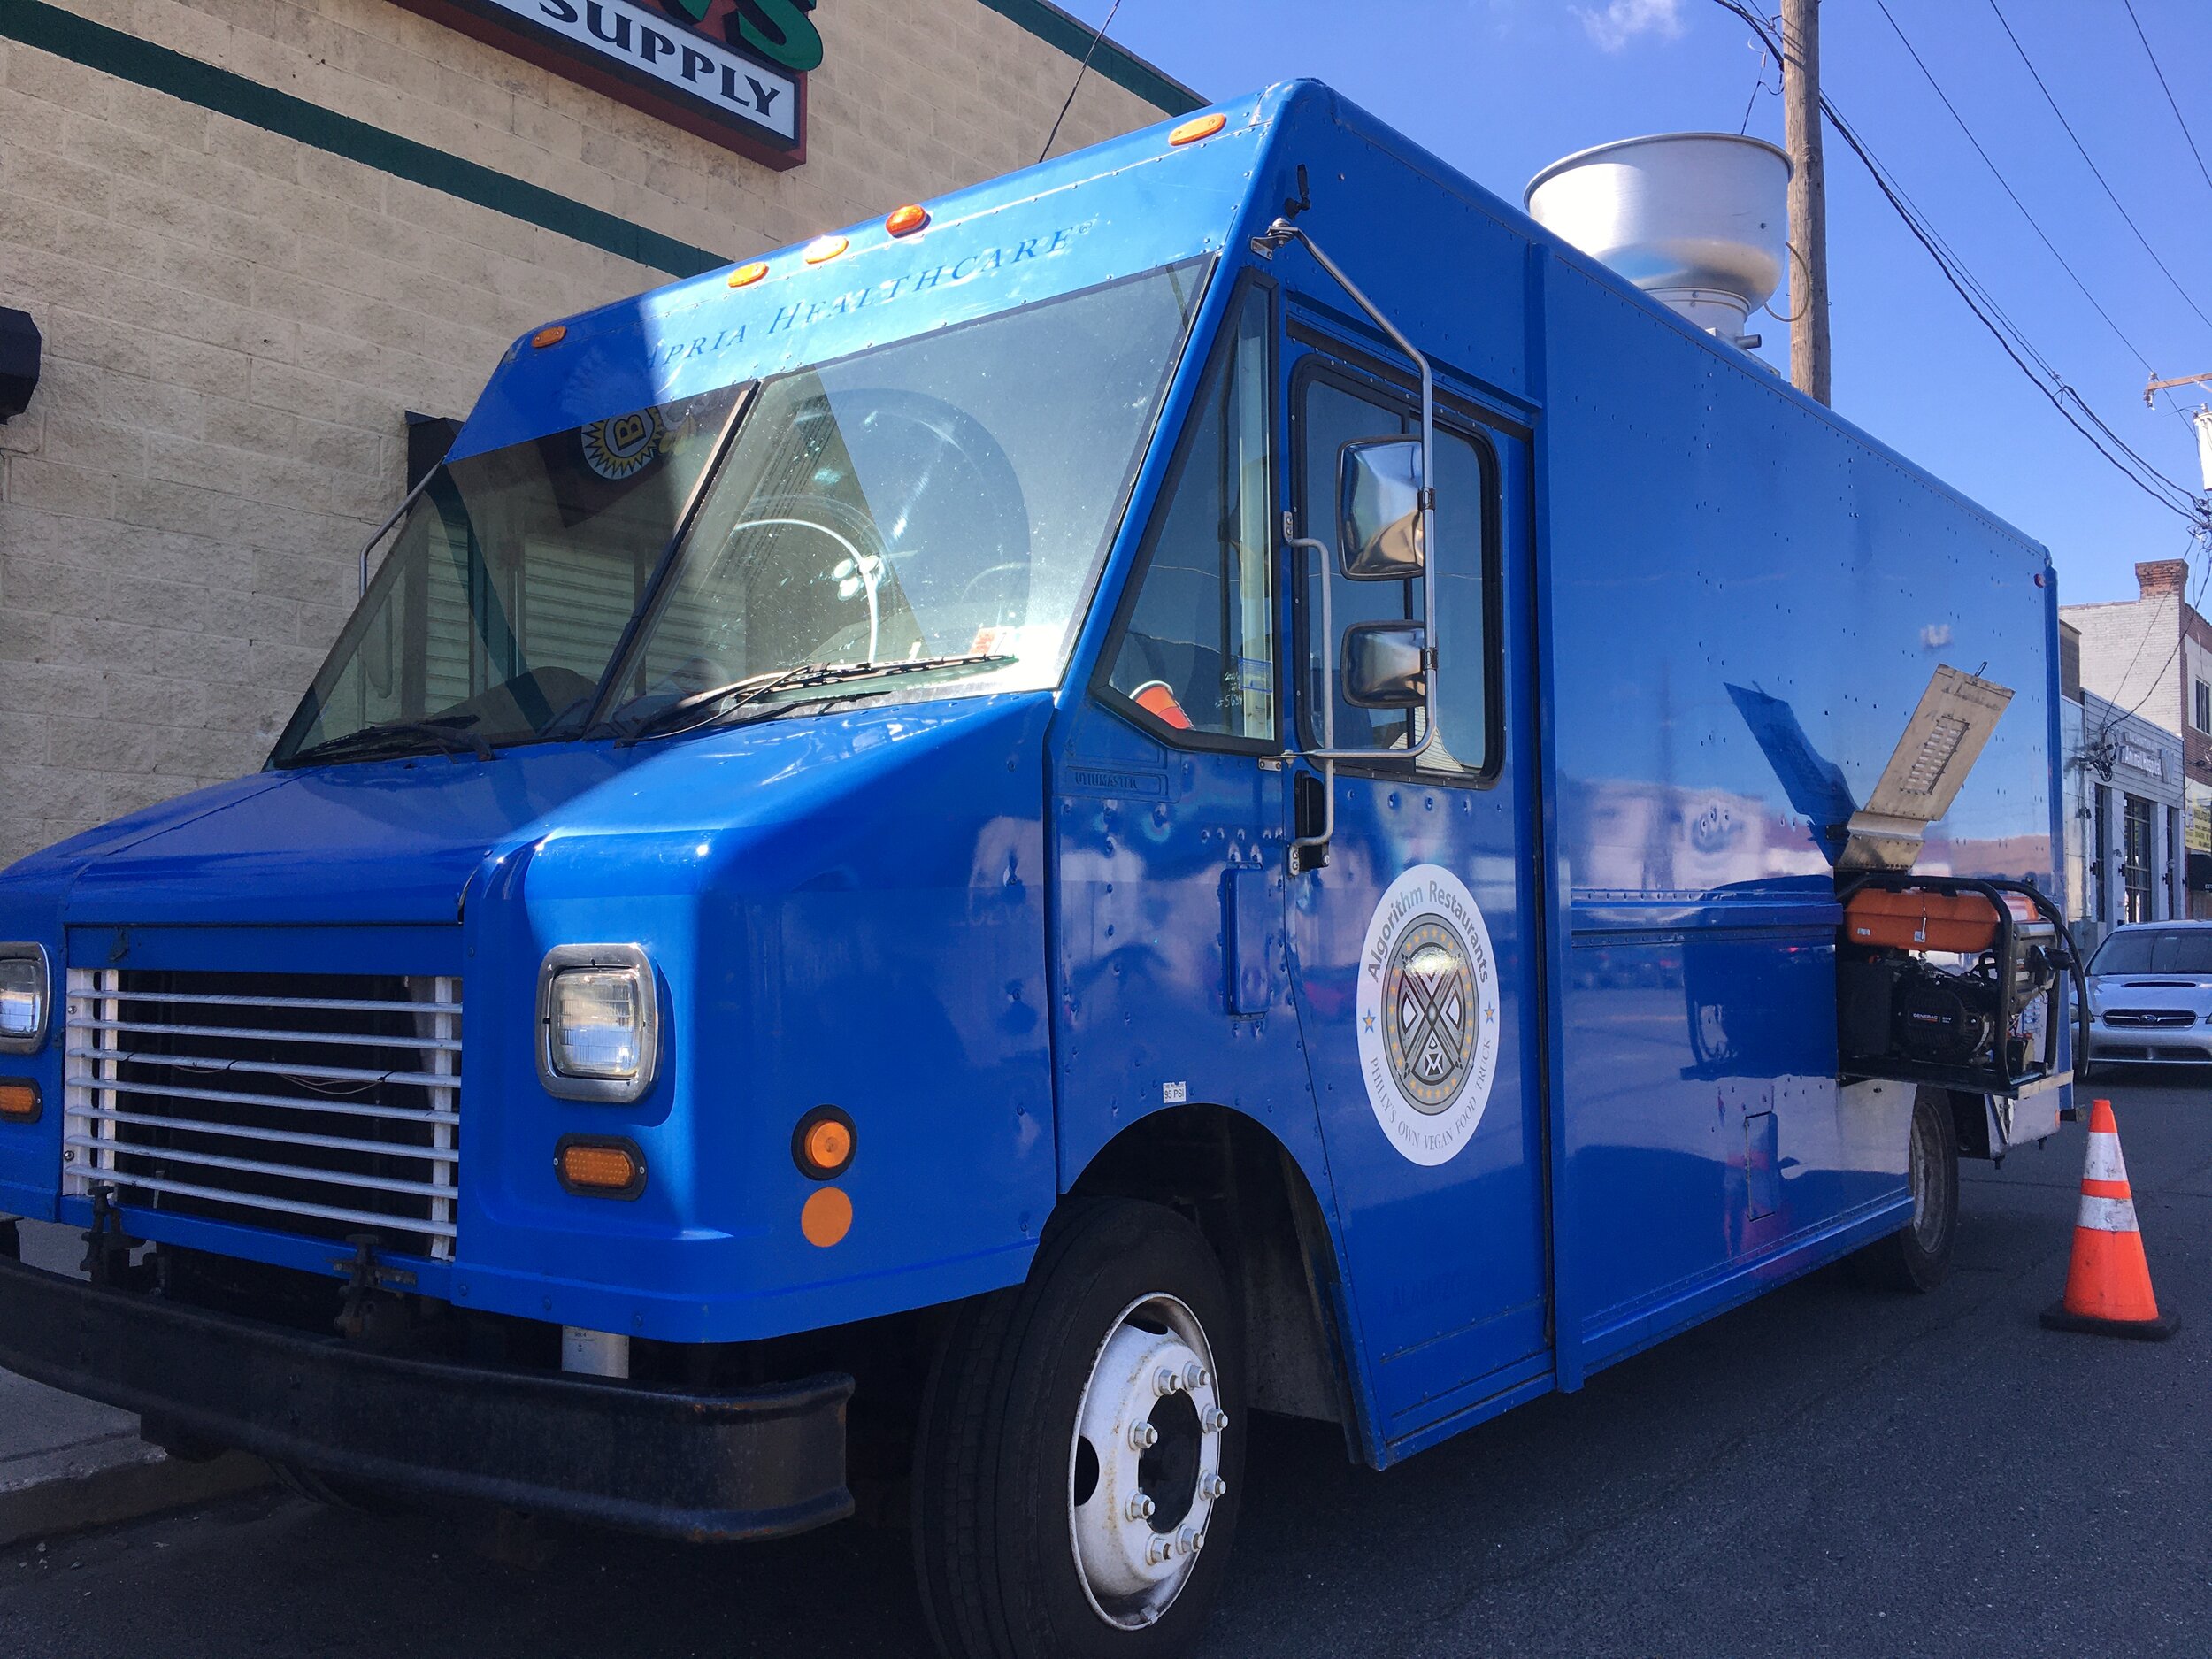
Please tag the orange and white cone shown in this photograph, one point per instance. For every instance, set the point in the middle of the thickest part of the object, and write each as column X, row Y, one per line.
column 2109, row 1282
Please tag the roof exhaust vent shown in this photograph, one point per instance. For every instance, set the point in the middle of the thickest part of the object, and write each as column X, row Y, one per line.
column 1697, row 220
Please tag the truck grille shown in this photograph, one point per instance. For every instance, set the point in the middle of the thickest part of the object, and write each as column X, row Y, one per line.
column 2149, row 1017
column 326, row 1104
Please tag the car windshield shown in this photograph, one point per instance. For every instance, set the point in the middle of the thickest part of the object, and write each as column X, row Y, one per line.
column 942, row 504
column 2155, row 950
column 949, row 497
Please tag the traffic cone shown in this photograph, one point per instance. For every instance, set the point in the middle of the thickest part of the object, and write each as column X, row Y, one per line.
column 2109, row 1282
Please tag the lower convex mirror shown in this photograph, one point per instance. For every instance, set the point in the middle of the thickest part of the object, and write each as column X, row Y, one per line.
column 1386, row 666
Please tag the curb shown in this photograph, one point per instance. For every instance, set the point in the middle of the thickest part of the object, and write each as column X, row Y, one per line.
column 118, row 1478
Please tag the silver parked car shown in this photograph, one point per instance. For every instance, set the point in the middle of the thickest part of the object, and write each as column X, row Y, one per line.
column 2150, row 995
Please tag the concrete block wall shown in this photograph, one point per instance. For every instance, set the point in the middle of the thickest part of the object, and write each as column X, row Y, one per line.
column 235, row 323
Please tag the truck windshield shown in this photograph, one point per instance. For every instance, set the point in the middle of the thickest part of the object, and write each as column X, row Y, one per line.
column 942, row 504
column 945, row 497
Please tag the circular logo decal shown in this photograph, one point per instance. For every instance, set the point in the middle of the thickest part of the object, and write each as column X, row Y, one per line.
column 1428, row 1014
column 623, row 446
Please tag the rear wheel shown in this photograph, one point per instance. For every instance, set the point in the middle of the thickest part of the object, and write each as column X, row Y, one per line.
column 1917, row 1258
column 1081, row 1448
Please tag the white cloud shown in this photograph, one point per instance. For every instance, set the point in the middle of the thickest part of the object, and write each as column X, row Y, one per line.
column 1623, row 21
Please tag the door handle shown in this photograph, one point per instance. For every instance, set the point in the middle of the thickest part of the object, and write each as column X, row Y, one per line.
column 1310, row 820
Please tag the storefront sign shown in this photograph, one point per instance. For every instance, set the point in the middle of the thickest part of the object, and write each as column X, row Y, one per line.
column 732, row 71
column 2144, row 760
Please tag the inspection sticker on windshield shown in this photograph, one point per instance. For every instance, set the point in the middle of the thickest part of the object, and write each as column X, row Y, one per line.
column 1428, row 1014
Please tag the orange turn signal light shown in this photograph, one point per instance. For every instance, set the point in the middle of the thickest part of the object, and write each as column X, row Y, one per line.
column 906, row 220
column 1197, row 128
column 822, row 250
column 19, row 1100
column 746, row 276
column 551, row 336
column 600, row 1166
column 824, row 1143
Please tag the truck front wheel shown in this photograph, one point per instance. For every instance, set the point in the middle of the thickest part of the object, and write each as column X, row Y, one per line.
column 1081, row 1447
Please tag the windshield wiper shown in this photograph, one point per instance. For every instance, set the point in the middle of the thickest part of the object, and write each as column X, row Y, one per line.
column 392, row 735
column 725, row 701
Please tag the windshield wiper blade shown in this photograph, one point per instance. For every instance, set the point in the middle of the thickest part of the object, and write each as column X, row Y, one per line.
column 387, row 733
column 739, row 692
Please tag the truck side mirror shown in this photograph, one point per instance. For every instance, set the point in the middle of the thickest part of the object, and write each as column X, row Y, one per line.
column 1378, row 509
column 1386, row 666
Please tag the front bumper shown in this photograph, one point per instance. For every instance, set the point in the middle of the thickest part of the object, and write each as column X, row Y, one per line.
column 757, row 1462
column 2150, row 1045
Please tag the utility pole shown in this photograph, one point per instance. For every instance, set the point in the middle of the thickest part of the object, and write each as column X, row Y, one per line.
column 2203, row 417
column 1808, row 196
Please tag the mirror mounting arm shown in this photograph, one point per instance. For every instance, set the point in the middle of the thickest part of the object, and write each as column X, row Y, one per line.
column 1277, row 234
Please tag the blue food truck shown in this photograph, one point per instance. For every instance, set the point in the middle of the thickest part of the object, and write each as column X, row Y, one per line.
column 1213, row 777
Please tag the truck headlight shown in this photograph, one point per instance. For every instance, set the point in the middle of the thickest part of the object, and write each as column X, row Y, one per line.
column 598, row 1022
column 24, row 993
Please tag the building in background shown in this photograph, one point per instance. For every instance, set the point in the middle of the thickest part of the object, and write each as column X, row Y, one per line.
column 274, row 249
column 2152, row 656
column 2126, row 784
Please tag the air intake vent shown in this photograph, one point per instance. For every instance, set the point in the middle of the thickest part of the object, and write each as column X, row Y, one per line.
column 320, row 1104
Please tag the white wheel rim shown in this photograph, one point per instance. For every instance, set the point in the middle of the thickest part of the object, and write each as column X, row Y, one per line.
column 1151, row 1411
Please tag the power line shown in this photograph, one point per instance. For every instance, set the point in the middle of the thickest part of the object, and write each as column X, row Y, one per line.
column 2010, row 338
column 2179, row 120
column 1997, row 175
column 2093, row 168
column 1081, row 70
column 2193, row 602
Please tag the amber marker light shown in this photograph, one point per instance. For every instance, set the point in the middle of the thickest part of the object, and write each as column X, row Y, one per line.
column 552, row 336
column 826, row 1217
column 596, row 1166
column 746, row 276
column 906, row 220
column 822, row 250
column 19, row 1100
column 1197, row 128
column 823, row 1142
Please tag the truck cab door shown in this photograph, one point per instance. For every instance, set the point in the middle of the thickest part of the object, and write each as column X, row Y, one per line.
column 1169, row 796
column 1415, row 947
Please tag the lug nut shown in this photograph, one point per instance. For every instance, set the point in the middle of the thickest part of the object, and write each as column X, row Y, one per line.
column 1195, row 1376
column 1213, row 1487
column 1187, row 1541
column 1143, row 1436
column 1166, row 1382
column 1140, row 1507
column 1158, row 1550
column 1218, row 1420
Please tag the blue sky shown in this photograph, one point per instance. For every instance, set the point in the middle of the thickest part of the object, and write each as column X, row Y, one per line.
column 1503, row 87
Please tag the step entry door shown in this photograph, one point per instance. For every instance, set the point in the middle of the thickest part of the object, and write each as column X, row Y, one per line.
column 1414, row 949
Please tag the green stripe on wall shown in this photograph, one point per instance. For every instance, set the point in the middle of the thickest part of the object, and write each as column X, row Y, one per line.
column 126, row 57
column 1074, row 37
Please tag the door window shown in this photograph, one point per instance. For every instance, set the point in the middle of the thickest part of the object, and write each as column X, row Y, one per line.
column 1197, row 651
column 1332, row 414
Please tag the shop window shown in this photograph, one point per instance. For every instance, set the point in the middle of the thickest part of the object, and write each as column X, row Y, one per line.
column 2204, row 706
column 2135, row 858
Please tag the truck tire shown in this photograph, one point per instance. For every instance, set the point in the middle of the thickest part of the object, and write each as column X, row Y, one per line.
column 1917, row 1256
column 1081, row 1447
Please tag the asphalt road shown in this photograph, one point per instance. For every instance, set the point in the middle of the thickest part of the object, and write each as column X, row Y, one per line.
column 1827, row 1471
